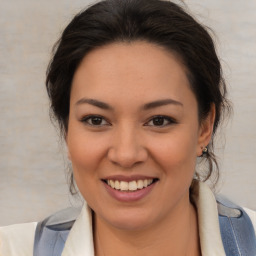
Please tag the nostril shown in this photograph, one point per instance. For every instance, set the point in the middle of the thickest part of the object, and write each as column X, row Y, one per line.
column 127, row 156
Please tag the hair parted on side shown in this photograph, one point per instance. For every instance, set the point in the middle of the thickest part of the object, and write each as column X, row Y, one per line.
column 159, row 22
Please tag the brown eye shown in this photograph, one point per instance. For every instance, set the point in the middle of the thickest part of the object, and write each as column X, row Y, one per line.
column 95, row 121
column 160, row 121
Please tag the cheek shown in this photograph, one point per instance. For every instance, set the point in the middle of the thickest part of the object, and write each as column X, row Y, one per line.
column 86, row 151
column 86, row 154
column 177, row 152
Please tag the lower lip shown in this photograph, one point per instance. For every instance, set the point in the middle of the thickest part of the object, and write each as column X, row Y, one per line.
column 130, row 196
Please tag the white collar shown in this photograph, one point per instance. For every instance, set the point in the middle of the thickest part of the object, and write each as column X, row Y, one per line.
column 209, row 229
column 80, row 239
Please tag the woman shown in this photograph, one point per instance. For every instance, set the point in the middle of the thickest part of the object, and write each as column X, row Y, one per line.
column 137, row 90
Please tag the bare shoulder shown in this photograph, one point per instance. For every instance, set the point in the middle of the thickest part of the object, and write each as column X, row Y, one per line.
column 18, row 239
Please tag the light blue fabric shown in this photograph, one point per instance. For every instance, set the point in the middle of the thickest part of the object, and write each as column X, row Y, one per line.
column 51, row 234
column 51, row 242
column 237, row 233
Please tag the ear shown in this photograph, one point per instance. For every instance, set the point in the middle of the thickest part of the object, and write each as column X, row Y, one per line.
column 206, row 130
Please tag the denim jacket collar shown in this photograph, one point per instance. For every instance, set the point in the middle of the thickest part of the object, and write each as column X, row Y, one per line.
column 80, row 239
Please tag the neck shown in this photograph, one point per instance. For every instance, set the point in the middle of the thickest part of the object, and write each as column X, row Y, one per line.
column 176, row 234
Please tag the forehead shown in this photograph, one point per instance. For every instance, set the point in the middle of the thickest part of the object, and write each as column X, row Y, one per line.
column 131, row 71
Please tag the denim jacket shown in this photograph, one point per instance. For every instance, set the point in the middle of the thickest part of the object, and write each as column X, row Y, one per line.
column 224, row 229
column 237, row 232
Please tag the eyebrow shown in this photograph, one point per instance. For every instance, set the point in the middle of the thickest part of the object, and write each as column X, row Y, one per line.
column 159, row 103
column 95, row 103
column 147, row 106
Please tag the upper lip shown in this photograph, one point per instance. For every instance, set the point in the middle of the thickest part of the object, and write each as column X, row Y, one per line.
column 128, row 178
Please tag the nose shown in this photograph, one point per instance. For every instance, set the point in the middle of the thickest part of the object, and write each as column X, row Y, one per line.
column 127, row 149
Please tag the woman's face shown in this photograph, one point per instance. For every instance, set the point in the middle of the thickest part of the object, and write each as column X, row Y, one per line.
column 133, row 134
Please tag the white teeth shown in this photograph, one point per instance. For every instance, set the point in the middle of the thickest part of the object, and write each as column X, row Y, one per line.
column 132, row 185
column 112, row 184
column 124, row 185
column 140, row 184
column 117, row 185
column 129, row 186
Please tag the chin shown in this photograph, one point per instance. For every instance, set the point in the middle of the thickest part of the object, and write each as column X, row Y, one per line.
column 134, row 220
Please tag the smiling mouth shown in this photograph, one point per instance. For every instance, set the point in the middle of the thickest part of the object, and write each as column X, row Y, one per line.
column 132, row 186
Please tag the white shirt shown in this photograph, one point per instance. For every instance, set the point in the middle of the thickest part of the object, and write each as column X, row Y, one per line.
column 18, row 240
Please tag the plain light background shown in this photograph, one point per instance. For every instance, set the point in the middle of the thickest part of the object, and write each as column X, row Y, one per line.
column 32, row 160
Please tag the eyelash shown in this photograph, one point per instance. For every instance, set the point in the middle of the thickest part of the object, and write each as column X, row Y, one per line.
column 88, row 121
column 90, row 117
column 169, row 120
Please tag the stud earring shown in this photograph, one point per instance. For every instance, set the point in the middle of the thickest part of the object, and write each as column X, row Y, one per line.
column 205, row 150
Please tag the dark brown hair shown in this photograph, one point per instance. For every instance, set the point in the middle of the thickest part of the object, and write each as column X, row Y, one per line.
column 159, row 22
